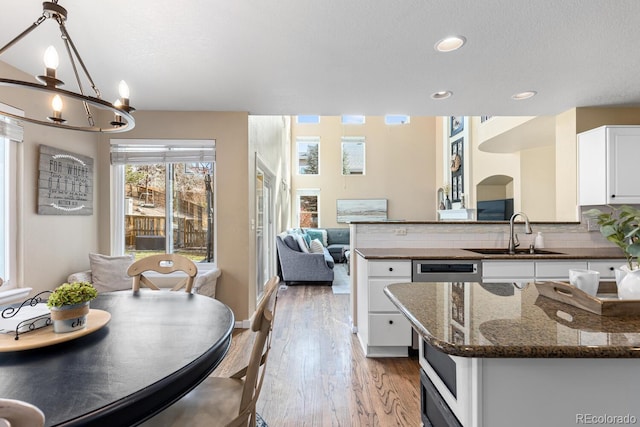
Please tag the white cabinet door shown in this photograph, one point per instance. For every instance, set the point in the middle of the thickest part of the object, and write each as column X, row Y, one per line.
column 557, row 270
column 624, row 152
column 606, row 268
column 389, row 329
column 607, row 158
column 496, row 270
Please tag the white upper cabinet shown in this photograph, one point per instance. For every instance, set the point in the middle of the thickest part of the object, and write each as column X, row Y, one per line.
column 607, row 165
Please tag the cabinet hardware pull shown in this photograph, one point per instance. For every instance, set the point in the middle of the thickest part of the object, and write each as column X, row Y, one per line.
column 391, row 322
column 390, row 268
column 611, row 268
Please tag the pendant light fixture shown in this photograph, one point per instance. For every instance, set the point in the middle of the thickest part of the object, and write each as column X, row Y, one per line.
column 61, row 98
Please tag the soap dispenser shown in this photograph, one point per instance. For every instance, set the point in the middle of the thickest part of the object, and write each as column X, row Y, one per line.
column 539, row 241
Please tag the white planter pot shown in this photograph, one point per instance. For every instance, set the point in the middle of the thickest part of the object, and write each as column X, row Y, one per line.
column 628, row 283
column 69, row 318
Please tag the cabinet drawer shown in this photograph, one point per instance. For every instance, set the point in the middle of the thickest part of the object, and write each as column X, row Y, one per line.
column 378, row 301
column 606, row 268
column 557, row 269
column 390, row 268
column 391, row 329
column 508, row 269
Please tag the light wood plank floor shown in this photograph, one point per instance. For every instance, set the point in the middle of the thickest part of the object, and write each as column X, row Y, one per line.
column 317, row 374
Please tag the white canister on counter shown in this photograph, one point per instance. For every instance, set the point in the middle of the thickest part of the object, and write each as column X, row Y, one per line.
column 539, row 241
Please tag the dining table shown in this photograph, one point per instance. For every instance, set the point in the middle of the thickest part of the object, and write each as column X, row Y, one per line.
column 154, row 348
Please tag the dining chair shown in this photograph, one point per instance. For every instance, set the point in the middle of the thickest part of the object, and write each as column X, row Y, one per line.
column 16, row 413
column 165, row 264
column 229, row 401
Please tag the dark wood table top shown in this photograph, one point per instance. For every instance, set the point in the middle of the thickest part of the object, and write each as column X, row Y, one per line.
column 157, row 346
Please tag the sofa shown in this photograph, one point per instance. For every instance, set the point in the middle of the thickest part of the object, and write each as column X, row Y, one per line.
column 297, row 264
column 337, row 240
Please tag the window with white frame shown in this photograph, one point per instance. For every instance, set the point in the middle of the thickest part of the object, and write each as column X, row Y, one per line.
column 308, row 155
column 308, row 208
column 396, row 119
column 353, row 155
column 165, row 197
column 308, row 120
column 10, row 173
column 353, row 120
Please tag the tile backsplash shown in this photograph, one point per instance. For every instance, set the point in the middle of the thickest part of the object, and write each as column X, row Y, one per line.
column 471, row 235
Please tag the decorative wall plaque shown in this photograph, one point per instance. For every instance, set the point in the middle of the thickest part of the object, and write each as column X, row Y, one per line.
column 457, row 170
column 65, row 183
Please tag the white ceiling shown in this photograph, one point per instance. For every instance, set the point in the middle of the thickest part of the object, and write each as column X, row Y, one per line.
column 336, row 57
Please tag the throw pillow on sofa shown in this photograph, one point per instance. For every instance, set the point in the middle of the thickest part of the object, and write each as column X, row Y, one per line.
column 319, row 234
column 302, row 243
column 291, row 242
column 316, row 247
column 109, row 273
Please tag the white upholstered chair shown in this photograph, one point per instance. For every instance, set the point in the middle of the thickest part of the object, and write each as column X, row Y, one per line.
column 231, row 401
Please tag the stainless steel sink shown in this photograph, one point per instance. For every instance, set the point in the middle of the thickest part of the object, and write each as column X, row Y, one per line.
column 503, row 251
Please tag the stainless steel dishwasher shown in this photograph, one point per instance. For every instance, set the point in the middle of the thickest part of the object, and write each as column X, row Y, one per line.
column 446, row 270
column 435, row 410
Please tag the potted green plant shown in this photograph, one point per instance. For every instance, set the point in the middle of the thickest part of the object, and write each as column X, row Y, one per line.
column 621, row 226
column 69, row 305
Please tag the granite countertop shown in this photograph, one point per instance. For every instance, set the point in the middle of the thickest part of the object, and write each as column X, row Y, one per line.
column 500, row 320
column 462, row 254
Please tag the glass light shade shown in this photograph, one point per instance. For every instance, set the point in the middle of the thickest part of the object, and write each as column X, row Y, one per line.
column 51, row 58
column 123, row 89
column 56, row 103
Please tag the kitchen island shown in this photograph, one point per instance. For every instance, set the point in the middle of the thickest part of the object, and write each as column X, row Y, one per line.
column 492, row 354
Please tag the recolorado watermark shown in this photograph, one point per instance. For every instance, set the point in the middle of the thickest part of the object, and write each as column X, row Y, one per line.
column 606, row 419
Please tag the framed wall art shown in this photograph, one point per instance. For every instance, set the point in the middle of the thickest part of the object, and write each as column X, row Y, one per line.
column 457, row 169
column 456, row 125
column 361, row 210
column 65, row 183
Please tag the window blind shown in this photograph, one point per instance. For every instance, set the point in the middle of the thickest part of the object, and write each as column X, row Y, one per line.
column 163, row 152
column 11, row 128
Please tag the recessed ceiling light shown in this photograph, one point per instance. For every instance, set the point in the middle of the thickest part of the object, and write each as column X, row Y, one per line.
column 443, row 94
column 523, row 95
column 450, row 44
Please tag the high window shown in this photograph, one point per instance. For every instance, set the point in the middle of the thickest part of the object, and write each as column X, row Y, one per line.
column 396, row 119
column 10, row 181
column 166, row 197
column 353, row 120
column 353, row 156
column 307, row 120
column 308, row 155
column 308, row 204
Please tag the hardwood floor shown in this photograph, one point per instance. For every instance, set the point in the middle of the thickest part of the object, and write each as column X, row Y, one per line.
column 317, row 374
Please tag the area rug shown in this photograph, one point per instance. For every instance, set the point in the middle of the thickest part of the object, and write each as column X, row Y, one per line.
column 341, row 288
column 341, row 280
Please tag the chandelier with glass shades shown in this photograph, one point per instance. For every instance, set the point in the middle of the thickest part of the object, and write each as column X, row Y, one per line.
column 121, row 120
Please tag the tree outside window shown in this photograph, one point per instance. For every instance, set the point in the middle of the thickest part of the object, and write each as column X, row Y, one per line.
column 185, row 205
column 353, row 158
column 308, row 156
column 308, row 211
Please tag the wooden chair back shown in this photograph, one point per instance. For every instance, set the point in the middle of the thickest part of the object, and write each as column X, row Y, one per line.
column 164, row 264
column 253, row 373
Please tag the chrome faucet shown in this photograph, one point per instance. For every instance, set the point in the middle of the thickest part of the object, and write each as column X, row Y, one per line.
column 513, row 238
